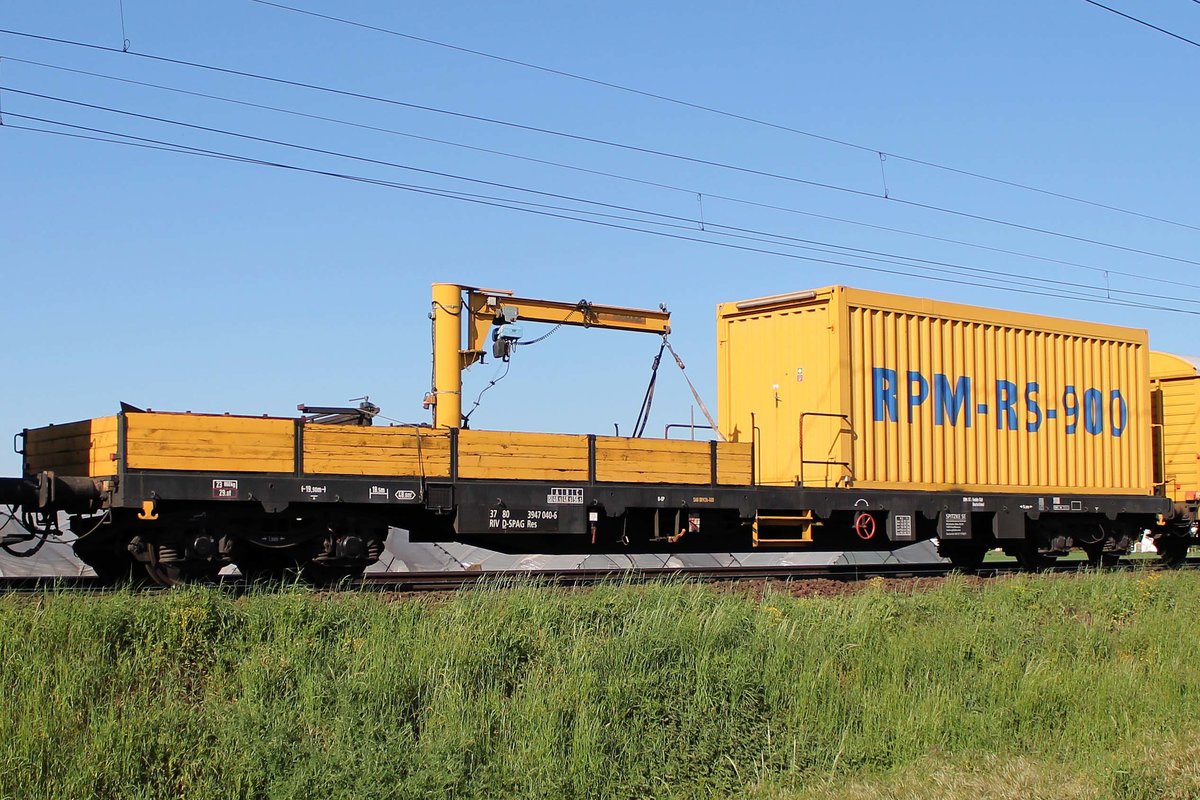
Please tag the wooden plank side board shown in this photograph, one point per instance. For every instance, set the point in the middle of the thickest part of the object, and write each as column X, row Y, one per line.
column 650, row 456
column 216, row 443
column 209, row 443
column 271, row 439
column 628, row 475
column 514, row 455
column 392, row 468
column 222, row 423
column 484, row 438
column 229, row 462
column 85, row 448
column 376, row 453
column 37, row 445
column 102, row 453
column 57, row 438
column 247, row 450
column 621, row 460
column 83, row 444
column 349, row 436
column 380, row 449
column 735, row 463
column 192, row 462
column 404, row 451
column 683, row 446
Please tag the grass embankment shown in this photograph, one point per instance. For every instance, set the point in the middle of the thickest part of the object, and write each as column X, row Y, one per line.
column 1025, row 687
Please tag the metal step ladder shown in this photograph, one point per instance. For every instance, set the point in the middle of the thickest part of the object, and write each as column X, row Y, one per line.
column 784, row 530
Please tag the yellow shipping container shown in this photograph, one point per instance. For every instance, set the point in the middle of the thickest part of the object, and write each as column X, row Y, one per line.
column 1175, row 393
column 844, row 387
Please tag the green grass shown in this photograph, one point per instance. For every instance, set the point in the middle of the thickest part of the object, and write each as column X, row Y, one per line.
column 1062, row 686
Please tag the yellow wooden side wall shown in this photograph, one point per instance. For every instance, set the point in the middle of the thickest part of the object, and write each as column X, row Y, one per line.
column 513, row 455
column 620, row 460
column 87, row 448
column 406, row 451
column 734, row 463
column 213, row 443
column 209, row 443
column 509, row 455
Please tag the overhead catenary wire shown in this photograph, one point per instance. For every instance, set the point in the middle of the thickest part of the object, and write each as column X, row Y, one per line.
column 194, row 151
column 533, row 208
column 1006, row 277
column 709, row 109
column 685, row 222
column 688, row 221
column 618, row 145
column 323, row 151
column 602, row 173
column 1139, row 21
column 296, row 146
column 526, row 206
column 569, row 214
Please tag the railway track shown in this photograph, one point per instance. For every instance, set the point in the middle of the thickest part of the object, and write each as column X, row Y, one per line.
column 417, row 582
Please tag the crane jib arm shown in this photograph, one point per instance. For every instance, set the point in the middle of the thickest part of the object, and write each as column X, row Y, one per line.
column 459, row 339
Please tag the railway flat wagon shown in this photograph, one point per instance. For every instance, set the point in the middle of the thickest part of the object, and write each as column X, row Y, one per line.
column 185, row 494
column 846, row 420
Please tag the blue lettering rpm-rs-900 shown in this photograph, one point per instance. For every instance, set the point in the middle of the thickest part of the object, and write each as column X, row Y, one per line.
column 962, row 401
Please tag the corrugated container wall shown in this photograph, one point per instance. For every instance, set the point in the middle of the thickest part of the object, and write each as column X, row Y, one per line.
column 882, row 391
column 1175, row 393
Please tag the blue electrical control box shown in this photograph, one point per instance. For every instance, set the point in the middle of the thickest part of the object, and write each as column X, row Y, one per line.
column 510, row 331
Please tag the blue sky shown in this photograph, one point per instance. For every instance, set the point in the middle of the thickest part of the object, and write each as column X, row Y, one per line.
column 186, row 283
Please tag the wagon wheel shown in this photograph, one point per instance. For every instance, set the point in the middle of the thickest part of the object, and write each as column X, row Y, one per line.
column 1031, row 560
column 1098, row 558
column 164, row 574
column 171, row 572
column 965, row 556
column 111, row 569
column 1173, row 552
column 111, row 565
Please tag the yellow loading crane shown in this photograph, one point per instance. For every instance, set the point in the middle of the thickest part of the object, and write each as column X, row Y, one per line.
column 464, row 316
